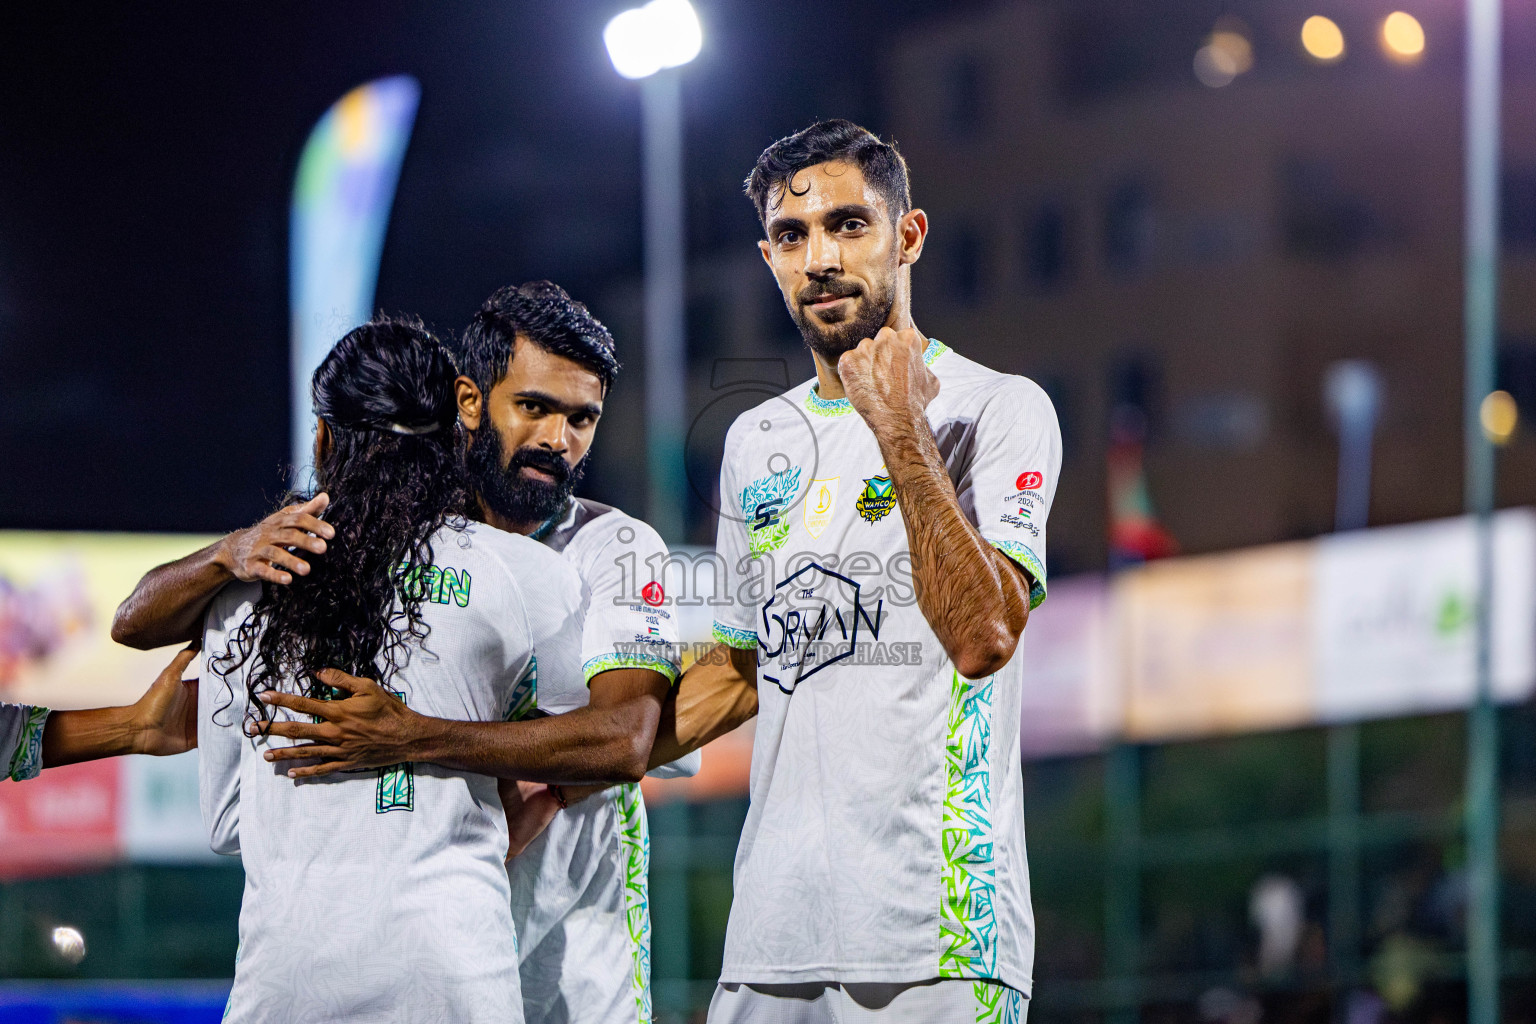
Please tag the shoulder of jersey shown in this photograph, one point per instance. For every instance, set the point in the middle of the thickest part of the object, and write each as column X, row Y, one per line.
column 788, row 407
column 520, row 554
column 600, row 524
column 967, row 378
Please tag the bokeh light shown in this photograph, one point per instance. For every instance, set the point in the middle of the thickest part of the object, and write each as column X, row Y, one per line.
column 1500, row 415
column 69, row 944
column 1225, row 55
column 1402, row 37
column 644, row 40
column 1322, row 38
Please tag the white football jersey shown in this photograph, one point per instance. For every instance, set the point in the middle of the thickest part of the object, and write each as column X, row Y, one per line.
column 885, row 837
column 579, row 891
column 21, row 741
column 382, row 895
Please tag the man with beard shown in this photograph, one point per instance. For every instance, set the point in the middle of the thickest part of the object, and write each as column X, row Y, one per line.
column 536, row 367
column 881, row 871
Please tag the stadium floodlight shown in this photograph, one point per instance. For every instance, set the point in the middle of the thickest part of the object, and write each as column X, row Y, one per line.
column 643, row 43
column 662, row 34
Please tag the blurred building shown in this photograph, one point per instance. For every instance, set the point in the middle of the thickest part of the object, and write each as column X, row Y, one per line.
column 1123, row 232
column 1129, row 235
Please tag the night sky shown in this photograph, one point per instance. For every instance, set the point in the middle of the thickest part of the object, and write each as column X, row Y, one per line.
column 146, row 160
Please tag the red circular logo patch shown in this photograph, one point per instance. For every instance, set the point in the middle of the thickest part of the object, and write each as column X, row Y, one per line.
column 653, row 594
column 1028, row 482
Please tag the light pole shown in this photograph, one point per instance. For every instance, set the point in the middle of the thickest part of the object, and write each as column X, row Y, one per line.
column 647, row 43
column 1484, row 28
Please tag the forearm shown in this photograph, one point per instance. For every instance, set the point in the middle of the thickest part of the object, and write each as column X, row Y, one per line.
column 974, row 597
column 715, row 696
column 588, row 745
column 72, row 736
column 168, row 605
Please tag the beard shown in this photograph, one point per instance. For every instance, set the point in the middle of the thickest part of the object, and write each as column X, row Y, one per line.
column 871, row 311
column 499, row 483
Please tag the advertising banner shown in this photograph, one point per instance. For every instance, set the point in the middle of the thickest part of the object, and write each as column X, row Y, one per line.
column 1072, row 699
column 58, row 592
column 1392, row 617
column 1217, row 644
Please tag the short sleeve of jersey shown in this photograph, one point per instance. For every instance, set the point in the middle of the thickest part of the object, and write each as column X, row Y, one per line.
column 734, row 620
column 630, row 623
column 21, row 741
column 1011, row 480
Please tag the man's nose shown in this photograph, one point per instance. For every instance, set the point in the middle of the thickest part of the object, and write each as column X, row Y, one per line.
column 823, row 258
column 552, row 435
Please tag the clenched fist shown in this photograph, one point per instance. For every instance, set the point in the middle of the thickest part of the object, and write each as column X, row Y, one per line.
column 886, row 380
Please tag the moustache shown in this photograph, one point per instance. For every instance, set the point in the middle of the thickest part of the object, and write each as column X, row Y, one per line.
column 822, row 292
column 538, row 458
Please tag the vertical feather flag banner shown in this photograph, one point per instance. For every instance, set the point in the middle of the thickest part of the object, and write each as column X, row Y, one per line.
column 341, row 200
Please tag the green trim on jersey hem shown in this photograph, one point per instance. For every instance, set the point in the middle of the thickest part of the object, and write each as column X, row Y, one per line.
column 27, row 761
column 1025, row 557
column 741, row 639
column 842, row 407
column 996, row 1003
column 644, row 659
column 635, row 853
column 968, row 875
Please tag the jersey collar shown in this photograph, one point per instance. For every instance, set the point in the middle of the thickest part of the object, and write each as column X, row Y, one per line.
column 548, row 526
column 841, row 407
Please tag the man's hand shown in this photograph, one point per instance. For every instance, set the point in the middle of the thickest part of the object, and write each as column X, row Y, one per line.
column 166, row 716
column 886, row 380
column 163, row 721
column 370, row 729
column 530, row 807
column 261, row 552
column 167, row 606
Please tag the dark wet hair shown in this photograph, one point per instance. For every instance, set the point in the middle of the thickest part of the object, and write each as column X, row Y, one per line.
column 823, row 141
column 395, row 477
column 542, row 312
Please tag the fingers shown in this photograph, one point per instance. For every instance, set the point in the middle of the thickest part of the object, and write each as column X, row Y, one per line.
column 316, row 505
column 315, row 731
column 352, row 684
column 279, row 557
column 305, row 752
column 293, row 702
column 310, row 771
column 179, row 663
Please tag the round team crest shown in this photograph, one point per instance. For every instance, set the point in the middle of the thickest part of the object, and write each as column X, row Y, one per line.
column 1028, row 482
column 652, row 594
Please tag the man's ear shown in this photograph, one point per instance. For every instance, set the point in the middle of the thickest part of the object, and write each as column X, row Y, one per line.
column 762, row 247
column 912, row 232
column 323, row 439
column 471, row 402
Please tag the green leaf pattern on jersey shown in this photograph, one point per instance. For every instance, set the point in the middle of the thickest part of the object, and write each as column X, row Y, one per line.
column 525, row 695
column 27, row 760
column 397, row 783
column 635, row 853
column 968, row 886
column 997, row 1003
column 765, row 504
